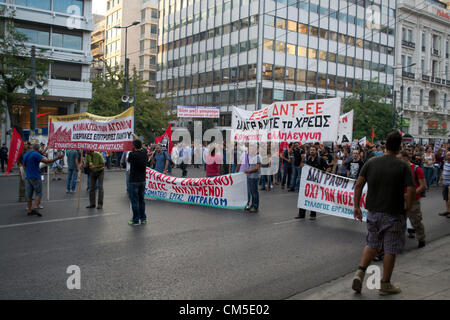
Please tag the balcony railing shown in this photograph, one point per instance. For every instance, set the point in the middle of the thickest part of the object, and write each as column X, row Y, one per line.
column 437, row 80
column 435, row 52
column 425, row 77
column 407, row 74
column 408, row 44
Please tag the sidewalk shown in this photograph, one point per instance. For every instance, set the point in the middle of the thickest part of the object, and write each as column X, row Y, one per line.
column 15, row 172
column 421, row 274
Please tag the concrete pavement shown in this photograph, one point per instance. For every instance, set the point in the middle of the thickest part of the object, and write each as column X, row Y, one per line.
column 422, row 274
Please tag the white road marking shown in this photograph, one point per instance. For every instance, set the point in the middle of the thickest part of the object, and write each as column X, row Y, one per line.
column 57, row 220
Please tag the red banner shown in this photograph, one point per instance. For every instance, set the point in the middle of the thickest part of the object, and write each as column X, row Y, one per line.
column 166, row 140
column 15, row 149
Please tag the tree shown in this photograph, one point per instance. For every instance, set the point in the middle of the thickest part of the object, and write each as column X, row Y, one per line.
column 436, row 122
column 15, row 62
column 151, row 115
column 370, row 110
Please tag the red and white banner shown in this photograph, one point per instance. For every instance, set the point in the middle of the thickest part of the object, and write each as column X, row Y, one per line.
column 198, row 112
column 328, row 193
column 90, row 132
column 166, row 140
column 228, row 191
column 15, row 149
column 292, row 121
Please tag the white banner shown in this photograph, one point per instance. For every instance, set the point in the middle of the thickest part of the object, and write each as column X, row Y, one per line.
column 328, row 193
column 345, row 128
column 302, row 121
column 228, row 191
column 198, row 112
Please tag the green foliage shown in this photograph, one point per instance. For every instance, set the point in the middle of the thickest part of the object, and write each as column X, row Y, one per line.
column 370, row 110
column 15, row 66
column 152, row 116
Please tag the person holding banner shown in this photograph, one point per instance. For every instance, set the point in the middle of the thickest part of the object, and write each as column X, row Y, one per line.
column 250, row 164
column 138, row 161
column 4, row 156
column 160, row 159
column 313, row 160
column 33, row 182
column 96, row 165
column 386, row 177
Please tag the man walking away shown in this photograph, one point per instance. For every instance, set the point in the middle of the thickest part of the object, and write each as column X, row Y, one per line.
column 445, row 181
column 415, row 216
column 33, row 182
column 3, row 156
column 73, row 167
column 138, row 160
column 387, row 177
column 96, row 164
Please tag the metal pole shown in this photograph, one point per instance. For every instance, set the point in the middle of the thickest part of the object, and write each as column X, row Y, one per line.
column 33, row 112
column 126, row 67
column 134, row 111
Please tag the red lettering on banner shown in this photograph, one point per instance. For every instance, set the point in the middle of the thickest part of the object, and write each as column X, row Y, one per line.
column 350, row 199
column 322, row 189
column 275, row 110
column 309, row 108
column 318, row 107
column 284, row 109
column 293, row 105
column 307, row 190
column 362, row 203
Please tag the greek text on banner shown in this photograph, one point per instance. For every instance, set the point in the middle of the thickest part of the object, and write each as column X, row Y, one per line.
column 90, row 132
column 328, row 193
column 228, row 191
column 291, row 121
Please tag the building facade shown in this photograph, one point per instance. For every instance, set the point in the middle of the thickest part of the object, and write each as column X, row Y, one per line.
column 141, row 39
column 250, row 53
column 423, row 89
column 63, row 29
column 98, row 44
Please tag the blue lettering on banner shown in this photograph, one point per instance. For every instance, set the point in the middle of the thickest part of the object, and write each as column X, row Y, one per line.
column 176, row 197
column 153, row 193
column 211, row 201
column 317, row 205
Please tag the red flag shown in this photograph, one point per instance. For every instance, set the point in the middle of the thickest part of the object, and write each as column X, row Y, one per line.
column 373, row 133
column 166, row 140
column 15, row 149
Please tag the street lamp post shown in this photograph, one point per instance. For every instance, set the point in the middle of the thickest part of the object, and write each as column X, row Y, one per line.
column 125, row 82
column 402, row 98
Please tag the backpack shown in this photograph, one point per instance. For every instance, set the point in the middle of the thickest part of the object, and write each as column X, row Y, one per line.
column 423, row 194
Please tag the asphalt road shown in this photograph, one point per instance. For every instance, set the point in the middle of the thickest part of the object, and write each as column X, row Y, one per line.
column 185, row 252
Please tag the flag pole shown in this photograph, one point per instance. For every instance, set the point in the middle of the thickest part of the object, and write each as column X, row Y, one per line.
column 48, row 181
column 81, row 180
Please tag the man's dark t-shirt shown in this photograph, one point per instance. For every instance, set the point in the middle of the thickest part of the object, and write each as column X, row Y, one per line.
column 355, row 168
column 138, row 162
column 387, row 177
column 298, row 157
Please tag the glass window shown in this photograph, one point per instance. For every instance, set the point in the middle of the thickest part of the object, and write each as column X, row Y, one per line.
column 269, row 20
column 312, row 53
column 301, row 51
column 322, row 55
column 313, row 31
column 40, row 4
column 301, row 77
column 267, row 72
column 302, row 28
column 292, row 26
column 312, row 78
column 35, row 34
column 66, row 6
column 280, row 23
column 66, row 71
column 280, row 46
column 290, row 48
column 290, row 76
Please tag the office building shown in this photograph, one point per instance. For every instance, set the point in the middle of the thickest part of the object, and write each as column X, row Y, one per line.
column 250, row 53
